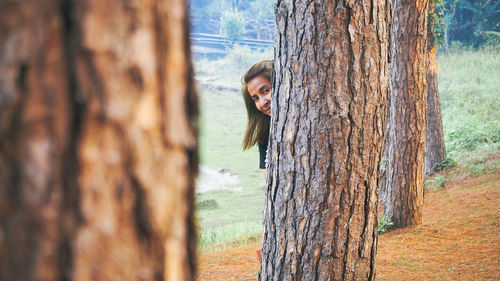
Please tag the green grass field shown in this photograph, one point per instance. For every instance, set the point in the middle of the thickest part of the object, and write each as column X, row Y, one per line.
column 469, row 86
column 238, row 213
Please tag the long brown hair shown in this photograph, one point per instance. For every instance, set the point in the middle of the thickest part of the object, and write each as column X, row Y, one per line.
column 258, row 123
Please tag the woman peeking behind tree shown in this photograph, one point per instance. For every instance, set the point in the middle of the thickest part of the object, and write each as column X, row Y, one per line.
column 256, row 91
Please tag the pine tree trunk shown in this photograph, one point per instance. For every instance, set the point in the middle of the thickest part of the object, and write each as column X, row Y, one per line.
column 328, row 120
column 435, row 150
column 98, row 146
column 403, row 178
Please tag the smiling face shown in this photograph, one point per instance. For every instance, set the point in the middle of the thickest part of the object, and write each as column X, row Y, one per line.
column 259, row 89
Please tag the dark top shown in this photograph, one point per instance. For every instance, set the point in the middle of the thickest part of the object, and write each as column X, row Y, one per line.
column 262, row 152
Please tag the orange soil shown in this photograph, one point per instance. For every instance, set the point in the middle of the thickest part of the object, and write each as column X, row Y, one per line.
column 459, row 240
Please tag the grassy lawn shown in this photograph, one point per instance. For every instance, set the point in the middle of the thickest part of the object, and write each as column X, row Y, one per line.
column 469, row 87
column 238, row 213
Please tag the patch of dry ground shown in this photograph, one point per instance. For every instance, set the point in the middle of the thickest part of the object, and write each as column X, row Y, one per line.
column 459, row 240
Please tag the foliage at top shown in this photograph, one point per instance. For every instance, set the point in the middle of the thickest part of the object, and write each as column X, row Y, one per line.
column 235, row 19
column 260, row 9
column 436, row 15
column 471, row 22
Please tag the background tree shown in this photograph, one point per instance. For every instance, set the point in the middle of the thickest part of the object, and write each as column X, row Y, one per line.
column 261, row 10
column 472, row 22
column 98, row 146
column 402, row 182
column 260, row 19
column 435, row 150
column 233, row 25
column 328, row 120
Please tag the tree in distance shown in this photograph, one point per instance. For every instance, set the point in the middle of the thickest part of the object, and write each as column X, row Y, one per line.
column 402, row 182
column 435, row 150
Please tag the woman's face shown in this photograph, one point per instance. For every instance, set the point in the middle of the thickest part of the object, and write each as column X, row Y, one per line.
column 260, row 92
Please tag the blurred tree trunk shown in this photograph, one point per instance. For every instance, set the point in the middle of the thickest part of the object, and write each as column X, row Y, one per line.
column 435, row 150
column 98, row 143
column 329, row 108
column 403, row 178
column 445, row 38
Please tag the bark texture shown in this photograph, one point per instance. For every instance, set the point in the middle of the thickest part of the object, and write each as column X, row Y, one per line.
column 435, row 150
column 328, row 120
column 402, row 183
column 98, row 141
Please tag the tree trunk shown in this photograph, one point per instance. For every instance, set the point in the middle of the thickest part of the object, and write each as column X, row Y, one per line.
column 445, row 38
column 403, row 178
column 98, row 146
column 435, row 150
column 328, row 119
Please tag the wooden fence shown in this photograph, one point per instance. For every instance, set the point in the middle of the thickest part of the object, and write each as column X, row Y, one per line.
column 214, row 46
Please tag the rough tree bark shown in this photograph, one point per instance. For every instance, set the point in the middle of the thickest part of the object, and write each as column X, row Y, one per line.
column 435, row 150
column 328, row 120
column 98, row 141
column 402, row 182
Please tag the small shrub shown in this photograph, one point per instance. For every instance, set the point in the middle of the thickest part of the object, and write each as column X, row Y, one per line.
column 435, row 183
column 444, row 165
column 468, row 137
column 384, row 225
column 210, row 204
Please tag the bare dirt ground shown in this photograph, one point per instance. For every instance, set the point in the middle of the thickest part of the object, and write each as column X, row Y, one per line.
column 459, row 240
